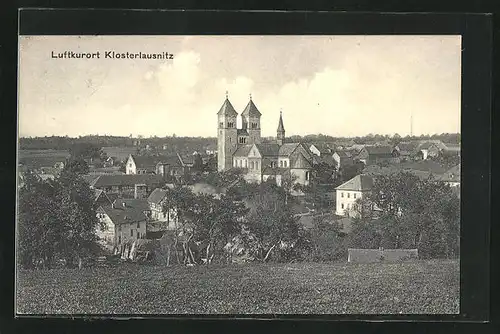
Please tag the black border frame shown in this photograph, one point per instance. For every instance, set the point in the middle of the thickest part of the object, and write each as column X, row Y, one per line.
column 476, row 31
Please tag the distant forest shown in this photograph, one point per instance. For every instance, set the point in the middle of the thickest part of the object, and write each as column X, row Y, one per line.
column 200, row 143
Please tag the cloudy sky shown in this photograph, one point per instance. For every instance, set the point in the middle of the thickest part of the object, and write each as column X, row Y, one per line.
column 336, row 85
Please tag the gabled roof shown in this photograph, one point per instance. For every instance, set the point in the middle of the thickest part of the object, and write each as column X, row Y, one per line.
column 326, row 159
column 406, row 147
column 301, row 162
column 142, row 161
column 89, row 178
column 227, row 109
column 243, row 150
column 157, row 196
column 267, row 150
column 185, row 160
column 132, row 212
column 98, row 193
column 344, row 154
column 125, row 180
column 379, row 150
column 360, row 182
column 251, row 110
column 286, row 149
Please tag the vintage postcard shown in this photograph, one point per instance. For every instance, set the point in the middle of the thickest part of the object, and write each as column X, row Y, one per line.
column 167, row 175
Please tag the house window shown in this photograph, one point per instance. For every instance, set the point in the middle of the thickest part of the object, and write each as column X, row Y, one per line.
column 256, row 164
column 348, row 195
column 281, row 163
column 221, row 125
column 131, row 232
column 342, row 195
column 342, row 205
column 245, row 163
column 284, row 163
column 308, row 176
column 138, row 225
column 354, row 195
column 252, row 165
column 119, row 239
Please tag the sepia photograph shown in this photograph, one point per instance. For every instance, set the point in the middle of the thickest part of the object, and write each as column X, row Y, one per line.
column 238, row 175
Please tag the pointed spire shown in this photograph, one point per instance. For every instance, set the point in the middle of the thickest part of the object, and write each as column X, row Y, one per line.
column 281, row 128
column 227, row 108
column 251, row 110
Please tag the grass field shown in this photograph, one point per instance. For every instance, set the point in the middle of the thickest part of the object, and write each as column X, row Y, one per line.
column 410, row 288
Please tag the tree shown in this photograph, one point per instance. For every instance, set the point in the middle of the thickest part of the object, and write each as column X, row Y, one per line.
column 415, row 213
column 76, row 166
column 327, row 244
column 57, row 220
column 271, row 222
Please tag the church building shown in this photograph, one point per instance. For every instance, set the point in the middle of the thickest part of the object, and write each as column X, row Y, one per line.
column 243, row 148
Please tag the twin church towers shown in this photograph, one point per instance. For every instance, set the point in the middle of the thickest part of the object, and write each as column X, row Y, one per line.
column 230, row 137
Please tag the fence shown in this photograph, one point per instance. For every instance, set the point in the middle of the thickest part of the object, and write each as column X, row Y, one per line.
column 380, row 255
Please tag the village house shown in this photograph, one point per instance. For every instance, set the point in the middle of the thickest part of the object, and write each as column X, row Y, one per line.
column 342, row 159
column 377, row 154
column 131, row 186
column 161, row 165
column 406, row 150
column 124, row 220
column 243, row 148
column 350, row 191
column 428, row 150
column 320, row 149
column 161, row 221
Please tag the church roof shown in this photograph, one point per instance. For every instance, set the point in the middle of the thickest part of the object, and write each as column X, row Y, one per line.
column 268, row 149
column 227, row 109
column 251, row 110
column 243, row 150
column 287, row 149
column 301, row 162
column 281, row 128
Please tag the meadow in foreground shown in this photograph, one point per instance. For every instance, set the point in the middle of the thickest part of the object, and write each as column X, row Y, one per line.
column 420, row 287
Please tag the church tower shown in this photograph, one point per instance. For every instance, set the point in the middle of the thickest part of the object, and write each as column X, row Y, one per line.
column 280, row 133
column 226, row 135
column 250, row 120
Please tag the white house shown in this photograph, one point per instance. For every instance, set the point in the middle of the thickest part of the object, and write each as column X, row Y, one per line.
column 350, row 191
